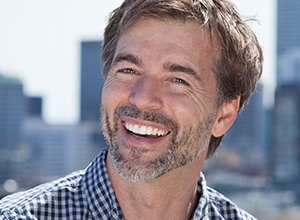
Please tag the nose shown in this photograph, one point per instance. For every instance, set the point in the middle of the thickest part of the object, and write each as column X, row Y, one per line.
column 146, row 94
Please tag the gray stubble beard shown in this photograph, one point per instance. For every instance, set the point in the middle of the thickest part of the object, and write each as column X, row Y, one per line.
column 196, row 141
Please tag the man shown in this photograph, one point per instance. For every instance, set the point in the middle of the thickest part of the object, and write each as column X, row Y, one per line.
column 177, row 72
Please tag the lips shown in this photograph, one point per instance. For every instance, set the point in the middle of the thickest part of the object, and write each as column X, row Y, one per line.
column 145, row 130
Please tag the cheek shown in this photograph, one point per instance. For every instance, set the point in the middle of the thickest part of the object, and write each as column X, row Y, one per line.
column 189, row 107
column 183, row 109
column 110, row 101
column 114, row 93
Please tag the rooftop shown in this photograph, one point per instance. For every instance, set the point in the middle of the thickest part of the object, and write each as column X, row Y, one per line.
column 9, row 80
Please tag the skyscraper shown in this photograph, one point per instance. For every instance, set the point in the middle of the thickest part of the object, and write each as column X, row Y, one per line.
column 34, row 107
column 91, row 89
column 288, row 42
column 12, row 113
column 288, row 29
column 286, row 164
column 286, row 153
column 91, row 81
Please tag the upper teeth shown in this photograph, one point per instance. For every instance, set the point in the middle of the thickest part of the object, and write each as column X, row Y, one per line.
column 145, row 130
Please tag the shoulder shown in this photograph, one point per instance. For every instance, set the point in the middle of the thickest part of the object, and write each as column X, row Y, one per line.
column 219, row 205
column 24, row 203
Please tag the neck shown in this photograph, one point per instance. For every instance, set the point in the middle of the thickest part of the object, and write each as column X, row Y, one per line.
column 171, row 196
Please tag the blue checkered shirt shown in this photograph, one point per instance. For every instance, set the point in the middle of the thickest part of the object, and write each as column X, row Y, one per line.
column 89, row 194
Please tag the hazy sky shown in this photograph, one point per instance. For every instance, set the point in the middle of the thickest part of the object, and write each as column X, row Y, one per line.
column 40, row 44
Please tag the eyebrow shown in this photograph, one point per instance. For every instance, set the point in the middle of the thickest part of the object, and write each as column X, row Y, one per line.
column 172, row 67
column 127, row 58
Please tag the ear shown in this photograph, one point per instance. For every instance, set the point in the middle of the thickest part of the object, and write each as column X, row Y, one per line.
column 226, row 115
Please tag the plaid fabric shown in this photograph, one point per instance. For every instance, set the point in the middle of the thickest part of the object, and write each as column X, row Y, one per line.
column 89, row 194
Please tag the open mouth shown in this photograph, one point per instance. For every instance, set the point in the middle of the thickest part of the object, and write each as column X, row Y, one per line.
column 145, row 131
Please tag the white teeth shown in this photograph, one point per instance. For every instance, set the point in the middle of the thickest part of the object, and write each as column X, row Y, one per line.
column 149, row 130
column 135, row 129
column 145, row 130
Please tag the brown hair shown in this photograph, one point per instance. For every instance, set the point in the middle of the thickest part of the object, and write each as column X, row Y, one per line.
column 239, row 64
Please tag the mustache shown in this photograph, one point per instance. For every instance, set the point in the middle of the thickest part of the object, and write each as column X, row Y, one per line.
column 151, row 116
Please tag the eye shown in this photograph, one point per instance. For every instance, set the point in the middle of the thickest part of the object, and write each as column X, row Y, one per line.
column 127, row 71
column 180, row 81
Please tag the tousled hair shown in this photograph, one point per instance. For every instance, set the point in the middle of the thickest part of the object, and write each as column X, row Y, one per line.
column 238, row 65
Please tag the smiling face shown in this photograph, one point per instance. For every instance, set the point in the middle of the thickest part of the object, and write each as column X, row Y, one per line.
column 159, row 98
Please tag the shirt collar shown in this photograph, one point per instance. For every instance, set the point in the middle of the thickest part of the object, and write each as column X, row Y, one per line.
column 99, row 191
column 102, row 199
column 201, row 211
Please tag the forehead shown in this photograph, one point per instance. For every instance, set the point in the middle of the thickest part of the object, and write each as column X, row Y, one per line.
column 144, row 23
column 160, row 40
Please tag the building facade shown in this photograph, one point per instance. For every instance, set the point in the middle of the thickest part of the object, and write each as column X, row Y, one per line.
column 286, row 130
column 288, row 29
column 56, row 150
column 286, row 152
column 91, row 81
column 12, row 113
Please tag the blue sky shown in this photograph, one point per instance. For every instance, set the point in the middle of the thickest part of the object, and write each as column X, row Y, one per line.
column 40, row 44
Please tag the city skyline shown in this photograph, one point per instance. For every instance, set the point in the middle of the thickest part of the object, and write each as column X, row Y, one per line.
column 42, row 47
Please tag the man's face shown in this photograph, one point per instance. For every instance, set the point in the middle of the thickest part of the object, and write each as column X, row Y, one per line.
column 158, row 103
